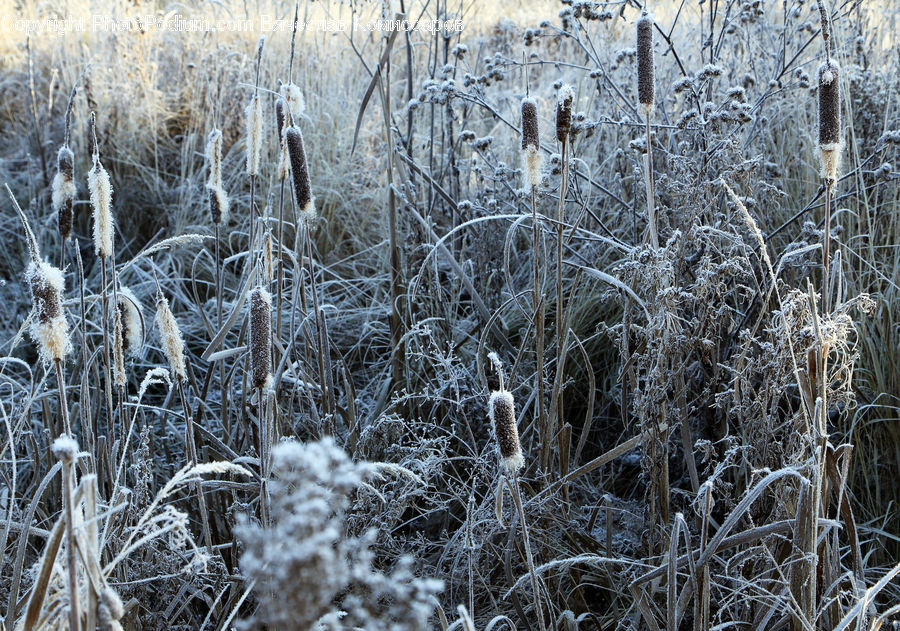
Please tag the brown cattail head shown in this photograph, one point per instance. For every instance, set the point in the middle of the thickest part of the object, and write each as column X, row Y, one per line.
column 503, row 419
column 564, row 100
column 829, row 119
column 281, row 116
column 170, row 335
column 63, row 190
column 300, row 172
column 119, row 376
column 531, row 149
column 49, row 328
column 260, row 338
column 645, row 62
column 254, row 134
column 218, row 204
column 101, row 201
column 530, row 136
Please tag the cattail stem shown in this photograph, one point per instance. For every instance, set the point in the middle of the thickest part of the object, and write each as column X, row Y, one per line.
column 535, row 586
column 106, row 350
column 648, row 181
column 279, row 291
column 71, row 559
column 538, row 307
column 324, row 377
column 826, row 249
column 63, row 403
column 194, row 458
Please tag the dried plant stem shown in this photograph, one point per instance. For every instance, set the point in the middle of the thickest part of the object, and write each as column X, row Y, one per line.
column 560, row 324
column 529, row 560
column 71, row 560
column 106, row 350
column 264, row 451
column 194, row 460
column 280, row 280
column 324, row 377
column 826, row 247
column 63, row 403
column 537, row 304
column 648, row 181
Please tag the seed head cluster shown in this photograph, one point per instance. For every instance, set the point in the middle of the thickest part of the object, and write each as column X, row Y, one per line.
column 829, row 119
column 172, row 342
column 101, row 202
column 254, row 118
column 300, row 172
column 645, row 62
column 281, row 120
column 218, row 199
column 260, row 338
column 503, row 420
column 63, row 190
column 295, row 101
column 49, row 328
column 564, row 100
column 531, row 149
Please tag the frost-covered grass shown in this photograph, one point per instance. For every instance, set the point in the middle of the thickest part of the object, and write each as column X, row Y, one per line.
column 293, row 432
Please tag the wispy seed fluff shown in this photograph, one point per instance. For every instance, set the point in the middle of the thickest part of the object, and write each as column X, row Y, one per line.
column 829, row 119
column 531, row 149
column 502, row 411
column 300, row 172
column 214, row 157
column 49, row 328
column 281, row 119
column 295, row 101
column 645, row 62
column 260, row 338
column 254, row 134
column 170, row 334
column 101, row 201
column 63, row 190
column 564, row 100
column 129, row 333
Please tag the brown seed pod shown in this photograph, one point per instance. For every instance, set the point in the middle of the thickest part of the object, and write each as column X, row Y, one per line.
column 829, row 119
column 530, row 137
column 49, row 329
column 564, row 101
column 218, row 204
column 260, row 338
column 645, row 61
column 281, row 116
column 63, row 191
column 503, row 419
column 300, row 171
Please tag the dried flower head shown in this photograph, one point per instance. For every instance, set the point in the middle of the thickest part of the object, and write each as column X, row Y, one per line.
column 260, row 338
column 645, row 61
column 101, row 201
column 132, row 321
column 219, row 204
column 63, row 190
column 564, row 100
column 49, row 328
column 65, row 448
column 531, row 153
column 170, row 334
column 254, row 134
column 829, row 119
column 300, row 171
column 503, row 419
column 214, row 158
column 295, row 101
column 109, row 611
column 268, row 255
column 826, row 22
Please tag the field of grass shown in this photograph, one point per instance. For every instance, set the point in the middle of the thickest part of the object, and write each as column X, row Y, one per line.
column 556, row 316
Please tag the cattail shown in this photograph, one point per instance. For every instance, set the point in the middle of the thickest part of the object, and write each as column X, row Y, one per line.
column 49, row 328
column 109, row 611
column 826, row 22
column 531, row 149
column 302, row 188
column 268, row 257
column 254, row 134
column 260, row 338
column 128, row 333
column 119, row 376
column 645, row 62
column 294, row 97
column 101, row 201
column 281, row 116
column 218, row 204
column 214, row 158
column 503, row 419
column 829, row 119
column 63, row 191
column 281, row 119
column 170, row 334
column 564, row 101
column 65, row 448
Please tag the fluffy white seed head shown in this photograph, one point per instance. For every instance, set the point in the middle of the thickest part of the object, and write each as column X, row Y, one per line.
column 254, row 134
column 63, row 190
column 170, row 335
column 296, row 102
column 502, row 411
column 532, row 163
column 49, row 328
column 214, row 158
column 101, row 202
column 128, row 326
column 65, row 448
column 219, row 204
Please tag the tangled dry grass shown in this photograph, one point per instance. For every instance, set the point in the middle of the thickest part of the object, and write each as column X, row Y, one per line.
column 583, row 317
